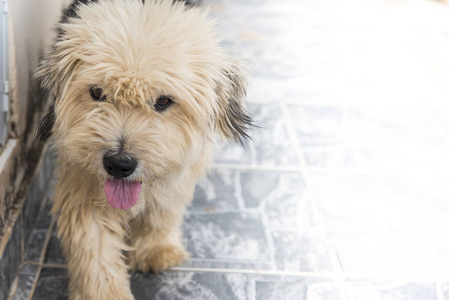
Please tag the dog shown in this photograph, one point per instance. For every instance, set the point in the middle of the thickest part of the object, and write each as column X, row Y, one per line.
column 143, row 91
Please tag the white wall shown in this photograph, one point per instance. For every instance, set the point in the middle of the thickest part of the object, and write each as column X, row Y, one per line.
column 31, row 29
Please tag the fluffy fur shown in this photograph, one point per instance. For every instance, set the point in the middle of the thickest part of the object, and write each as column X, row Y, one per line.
column 135, row 52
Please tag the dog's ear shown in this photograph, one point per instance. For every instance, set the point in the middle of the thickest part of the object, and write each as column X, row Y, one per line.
column 232, row 119
column 57, row 67
column 53, row 73
column 46, row 124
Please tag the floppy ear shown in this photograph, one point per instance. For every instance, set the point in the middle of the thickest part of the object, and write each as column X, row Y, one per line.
column 46, row 124
column 53, row 73
column 232, row 118
column 57, row 67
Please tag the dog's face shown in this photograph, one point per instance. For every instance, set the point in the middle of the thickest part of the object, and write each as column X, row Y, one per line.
column 140, row 90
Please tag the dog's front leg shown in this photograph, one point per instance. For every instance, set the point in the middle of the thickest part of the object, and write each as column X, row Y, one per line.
column 92, row 239
column 157, row 241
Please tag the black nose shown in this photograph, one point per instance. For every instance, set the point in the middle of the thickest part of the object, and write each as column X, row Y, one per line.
column 119, row 167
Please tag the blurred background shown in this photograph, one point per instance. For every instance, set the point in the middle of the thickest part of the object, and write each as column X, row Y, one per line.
column 342, row 193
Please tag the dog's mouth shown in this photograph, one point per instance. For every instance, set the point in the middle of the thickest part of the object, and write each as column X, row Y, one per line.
column 122, row 194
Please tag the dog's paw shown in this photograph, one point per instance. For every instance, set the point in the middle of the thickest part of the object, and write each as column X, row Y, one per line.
column 159, row 258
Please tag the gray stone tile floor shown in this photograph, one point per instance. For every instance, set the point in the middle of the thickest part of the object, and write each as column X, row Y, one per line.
column 343, row 192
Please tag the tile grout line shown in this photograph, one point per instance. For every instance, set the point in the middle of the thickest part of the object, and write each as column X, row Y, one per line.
column 53, row 265
column 255, row 272
column 225, row 260
column 268, row 233
column 272, row 272
column 307, row 179
column 50, row 229
column 327, row 170
column 41, row 260
column 251, row 290
column 247, row 167
column 40, row 213
column 238, row 191
column 41, row 210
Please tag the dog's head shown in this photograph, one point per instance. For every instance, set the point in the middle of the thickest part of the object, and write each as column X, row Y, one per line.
column 140, row 90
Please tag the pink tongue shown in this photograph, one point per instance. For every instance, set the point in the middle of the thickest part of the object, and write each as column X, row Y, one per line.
column 122, row 194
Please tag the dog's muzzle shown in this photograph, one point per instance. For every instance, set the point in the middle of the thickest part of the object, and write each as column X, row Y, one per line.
column 119, row 167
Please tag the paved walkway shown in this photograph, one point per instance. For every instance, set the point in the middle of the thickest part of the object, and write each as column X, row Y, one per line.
column 344, row 191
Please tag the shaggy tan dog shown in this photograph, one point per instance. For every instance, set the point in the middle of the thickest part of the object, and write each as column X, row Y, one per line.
column 141, row 90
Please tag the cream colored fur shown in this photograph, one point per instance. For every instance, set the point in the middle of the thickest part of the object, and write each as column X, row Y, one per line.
column 135, row 52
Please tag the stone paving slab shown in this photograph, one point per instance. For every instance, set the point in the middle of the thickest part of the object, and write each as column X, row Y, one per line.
column 342, row 192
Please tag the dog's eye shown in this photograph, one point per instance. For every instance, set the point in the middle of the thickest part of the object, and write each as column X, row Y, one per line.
column 162, row 103
column 97, row 94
